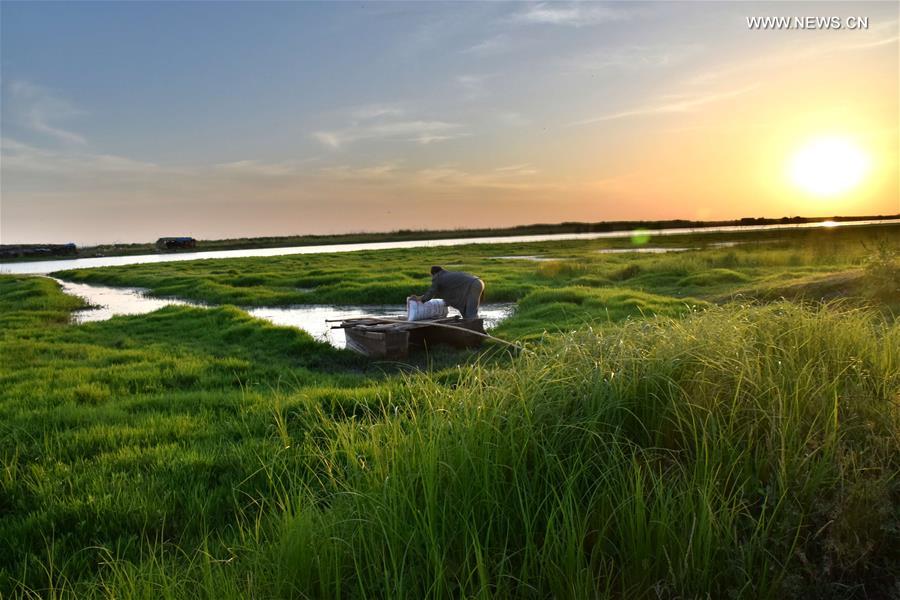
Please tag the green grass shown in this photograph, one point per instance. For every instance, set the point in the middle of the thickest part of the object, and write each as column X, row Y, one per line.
column 387, row 277
column 654, row 444
column 575, row 308
column 116, row 432
column 737, row 453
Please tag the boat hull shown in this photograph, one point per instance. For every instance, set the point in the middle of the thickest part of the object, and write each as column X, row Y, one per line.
column 394, row 340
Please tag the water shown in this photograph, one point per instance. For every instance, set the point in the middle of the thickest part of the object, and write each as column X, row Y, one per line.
column 48, row 266
column 107, row 302
column 643, row 250
column 314, row 318
column 531, row 257
column 638, row 250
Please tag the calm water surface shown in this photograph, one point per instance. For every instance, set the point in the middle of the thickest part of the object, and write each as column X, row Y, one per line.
column 642, row 250
column 107, row 302
column 48, row 266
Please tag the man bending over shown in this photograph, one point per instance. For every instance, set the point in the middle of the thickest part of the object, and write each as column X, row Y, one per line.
column 460, row 290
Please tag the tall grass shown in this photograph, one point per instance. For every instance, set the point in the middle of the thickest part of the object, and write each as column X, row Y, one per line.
column 745, row 453
column 740, row 452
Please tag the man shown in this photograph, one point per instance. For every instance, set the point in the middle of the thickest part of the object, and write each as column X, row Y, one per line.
column 460, row 290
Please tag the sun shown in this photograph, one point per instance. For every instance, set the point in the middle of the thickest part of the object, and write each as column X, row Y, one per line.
column 829, row 166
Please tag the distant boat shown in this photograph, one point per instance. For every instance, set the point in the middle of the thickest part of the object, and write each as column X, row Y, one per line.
column 176, row 243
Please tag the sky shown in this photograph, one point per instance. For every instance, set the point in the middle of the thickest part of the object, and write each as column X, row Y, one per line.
column 125, row 122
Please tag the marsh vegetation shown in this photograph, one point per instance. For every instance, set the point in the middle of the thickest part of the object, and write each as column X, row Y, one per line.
column 719, row 422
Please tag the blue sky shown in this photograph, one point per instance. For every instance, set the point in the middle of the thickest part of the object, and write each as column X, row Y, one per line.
column 128, row 121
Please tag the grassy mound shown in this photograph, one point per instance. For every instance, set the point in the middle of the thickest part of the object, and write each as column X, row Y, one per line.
column 138, row 428
column 873, row 286
column 574, row 308
column 746, row 453
column 733, row 453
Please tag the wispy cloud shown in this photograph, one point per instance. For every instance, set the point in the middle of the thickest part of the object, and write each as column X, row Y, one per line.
column 473, row 85
column 633, row 57
column 515, row 177
column 332, row 139
column 430, row 138
column 449, row 175
column 492, row 45
column 374, row 111
column 386, row 124
column 264, row 169
column 40, row 110
column 18, row 156
column 877, row 43
column 417, row 131
column 511, row 118
column 520, row 169
column 379, row 172
column 884, row 34
column 578, row 14
column 675, row 103
column 74, row 163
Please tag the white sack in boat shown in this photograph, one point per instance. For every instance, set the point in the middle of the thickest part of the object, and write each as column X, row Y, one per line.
column 418, row 311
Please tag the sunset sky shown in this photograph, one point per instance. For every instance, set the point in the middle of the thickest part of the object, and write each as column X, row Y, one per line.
column 129, row 121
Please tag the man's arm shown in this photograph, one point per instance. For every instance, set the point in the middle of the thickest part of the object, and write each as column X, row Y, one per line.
column 430, row 293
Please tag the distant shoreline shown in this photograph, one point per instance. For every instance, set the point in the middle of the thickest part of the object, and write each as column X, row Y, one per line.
column 107, row 250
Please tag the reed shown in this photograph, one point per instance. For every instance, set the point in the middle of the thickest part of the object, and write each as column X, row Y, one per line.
column 738, row 451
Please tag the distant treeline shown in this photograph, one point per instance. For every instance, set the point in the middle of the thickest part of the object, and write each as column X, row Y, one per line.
column 37, row 250
column 425, row 234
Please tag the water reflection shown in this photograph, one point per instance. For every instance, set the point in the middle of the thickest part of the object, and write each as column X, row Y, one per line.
column 531, row 257
column 314, row 319
column 644, row 250
column 107, row 302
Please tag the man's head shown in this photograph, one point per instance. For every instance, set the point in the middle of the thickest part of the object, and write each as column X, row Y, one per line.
column 436, row 270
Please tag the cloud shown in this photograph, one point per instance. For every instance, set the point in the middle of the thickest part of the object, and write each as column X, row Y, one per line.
column 260, row 168
column 18, row 156
column 492, row 45
column 514, row 177
column 382, row 172
column 373, row 111
column 634, row 57
column 512, row 118
column 518, row 176
column 572, row 14
column 674, row 103
column 382, row 124
column 883, row 42
column 72, row 164
column 328, row 138
column 38, row 109
column 884, row 33
column 520, row 169
column 408, row 128
column 430, row 138
column 473, row 85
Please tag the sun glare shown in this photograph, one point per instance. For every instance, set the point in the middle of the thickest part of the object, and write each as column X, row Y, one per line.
column 829, row 166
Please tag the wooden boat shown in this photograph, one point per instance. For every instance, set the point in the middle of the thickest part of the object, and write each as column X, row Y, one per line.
column 393, row 337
